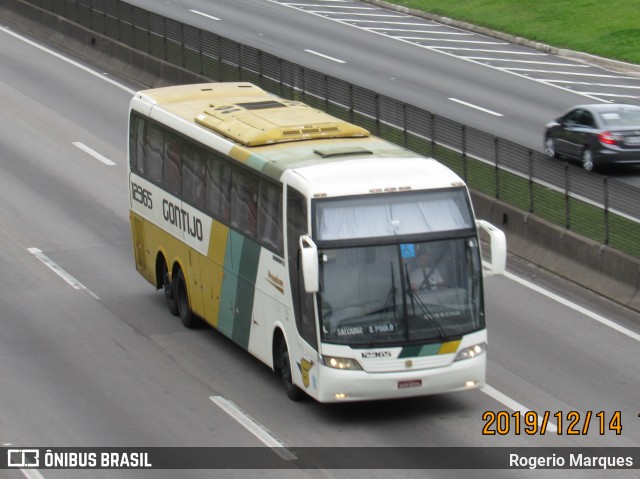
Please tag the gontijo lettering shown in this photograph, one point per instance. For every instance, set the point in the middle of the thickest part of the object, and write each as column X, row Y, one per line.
column 180, row 218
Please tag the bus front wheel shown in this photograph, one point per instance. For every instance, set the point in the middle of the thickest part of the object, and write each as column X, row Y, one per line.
column 293, row 391
column 182, row 300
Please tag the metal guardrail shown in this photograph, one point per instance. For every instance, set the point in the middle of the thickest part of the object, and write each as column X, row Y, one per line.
column 595, row 206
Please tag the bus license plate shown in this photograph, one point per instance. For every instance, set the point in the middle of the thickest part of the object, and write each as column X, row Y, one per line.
column 410, row 384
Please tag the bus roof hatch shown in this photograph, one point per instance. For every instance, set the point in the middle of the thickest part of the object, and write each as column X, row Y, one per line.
column 271, row 121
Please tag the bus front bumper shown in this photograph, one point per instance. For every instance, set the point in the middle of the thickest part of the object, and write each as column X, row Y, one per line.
column 341, row 386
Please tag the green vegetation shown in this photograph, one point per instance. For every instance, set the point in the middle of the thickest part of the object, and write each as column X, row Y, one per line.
column 607, row 29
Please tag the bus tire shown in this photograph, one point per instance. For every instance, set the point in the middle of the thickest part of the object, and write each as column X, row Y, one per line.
column 293, row 391
column 181, row 296
column 169, row 295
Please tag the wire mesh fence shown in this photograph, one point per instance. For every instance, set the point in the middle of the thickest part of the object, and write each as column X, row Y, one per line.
column 595, row 206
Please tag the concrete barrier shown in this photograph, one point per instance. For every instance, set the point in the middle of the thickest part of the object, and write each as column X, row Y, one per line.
column 597, row 267
column 594, row 266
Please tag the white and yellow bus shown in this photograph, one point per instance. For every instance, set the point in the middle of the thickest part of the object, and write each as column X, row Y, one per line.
column 297, row 235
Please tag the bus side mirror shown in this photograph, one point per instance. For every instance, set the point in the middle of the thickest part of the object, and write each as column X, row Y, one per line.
column 310, row 267
column 498, row 243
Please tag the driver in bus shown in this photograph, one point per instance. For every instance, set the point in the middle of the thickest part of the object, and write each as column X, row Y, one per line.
column 425, row 276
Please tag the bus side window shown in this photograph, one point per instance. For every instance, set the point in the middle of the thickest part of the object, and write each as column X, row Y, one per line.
column 136, row 144
column 244, row 201
column 218, row 187
column 173, row 162
column 270, row 215
column 154, row 145
column 193, row 173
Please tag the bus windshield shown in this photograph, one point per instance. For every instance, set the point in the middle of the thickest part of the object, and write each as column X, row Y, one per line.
column 404, row 292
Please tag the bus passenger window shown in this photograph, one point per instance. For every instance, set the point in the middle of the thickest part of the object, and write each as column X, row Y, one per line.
column 244, row 201
column 154, row 143
column 218, row 187
column 173, row 162
column 270, row 216
column 193, row 171
column 136, row 145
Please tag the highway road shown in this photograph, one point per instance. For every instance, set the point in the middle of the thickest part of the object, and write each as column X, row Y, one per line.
column 91, row 357
column 507, row 90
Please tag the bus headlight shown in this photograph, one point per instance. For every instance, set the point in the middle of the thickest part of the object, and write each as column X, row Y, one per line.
column 341, row 363
column 471, row 352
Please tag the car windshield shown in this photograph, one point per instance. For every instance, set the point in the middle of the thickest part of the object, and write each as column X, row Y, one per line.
column 386, row 294
column 621, row 118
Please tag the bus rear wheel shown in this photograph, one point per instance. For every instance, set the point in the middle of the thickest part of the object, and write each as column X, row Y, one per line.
column 181, row 296
column 293, row 391
column 169, row 294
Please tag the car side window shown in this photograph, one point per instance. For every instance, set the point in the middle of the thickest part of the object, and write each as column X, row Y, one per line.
column 573, row 117
column 586, row 119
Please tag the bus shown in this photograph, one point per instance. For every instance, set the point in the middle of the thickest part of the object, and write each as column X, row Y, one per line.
column 296, row 235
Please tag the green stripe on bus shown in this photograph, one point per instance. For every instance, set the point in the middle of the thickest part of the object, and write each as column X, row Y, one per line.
column 422, row 350
column 228, row 294
column 245, row 292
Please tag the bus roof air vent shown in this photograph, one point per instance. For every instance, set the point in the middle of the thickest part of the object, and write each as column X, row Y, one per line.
column 341, row 151
column 268, row 120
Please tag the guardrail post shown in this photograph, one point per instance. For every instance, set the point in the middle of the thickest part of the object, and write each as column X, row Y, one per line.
column 377, row 98
column 433, row 135
column 496, row 147
column 566, row 196
column 351, row 103
column 404, row 125
column 326, row 93
column 304, row 84
column 464, row 153
column 531, row 184
column 606, row 210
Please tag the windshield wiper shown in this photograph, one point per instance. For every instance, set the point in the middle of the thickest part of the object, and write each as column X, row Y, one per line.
column 423, row 307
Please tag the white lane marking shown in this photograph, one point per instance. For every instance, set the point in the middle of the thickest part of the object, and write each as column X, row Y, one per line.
column 506, row 52
column 608, row 85
column 204, row 15
column 386, row 30
column 471, row 105
column 475, row 42
column 514, row 405
column 510, row 60
column 254, row 427
column 574, row 73
column 616, row 95
column 74, row 283
column 575, row 307
column 357, row 20
column 68, row 60
column 31, row 474
column 93, row 153
column 325, row 56
column 379, row 15
column 330, row 6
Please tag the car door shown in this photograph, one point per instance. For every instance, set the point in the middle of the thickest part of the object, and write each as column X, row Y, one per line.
column 577, row 127
column 565, row 134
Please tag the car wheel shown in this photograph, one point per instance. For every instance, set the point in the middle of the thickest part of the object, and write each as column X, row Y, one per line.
column 550, row 147
column 587, row 159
